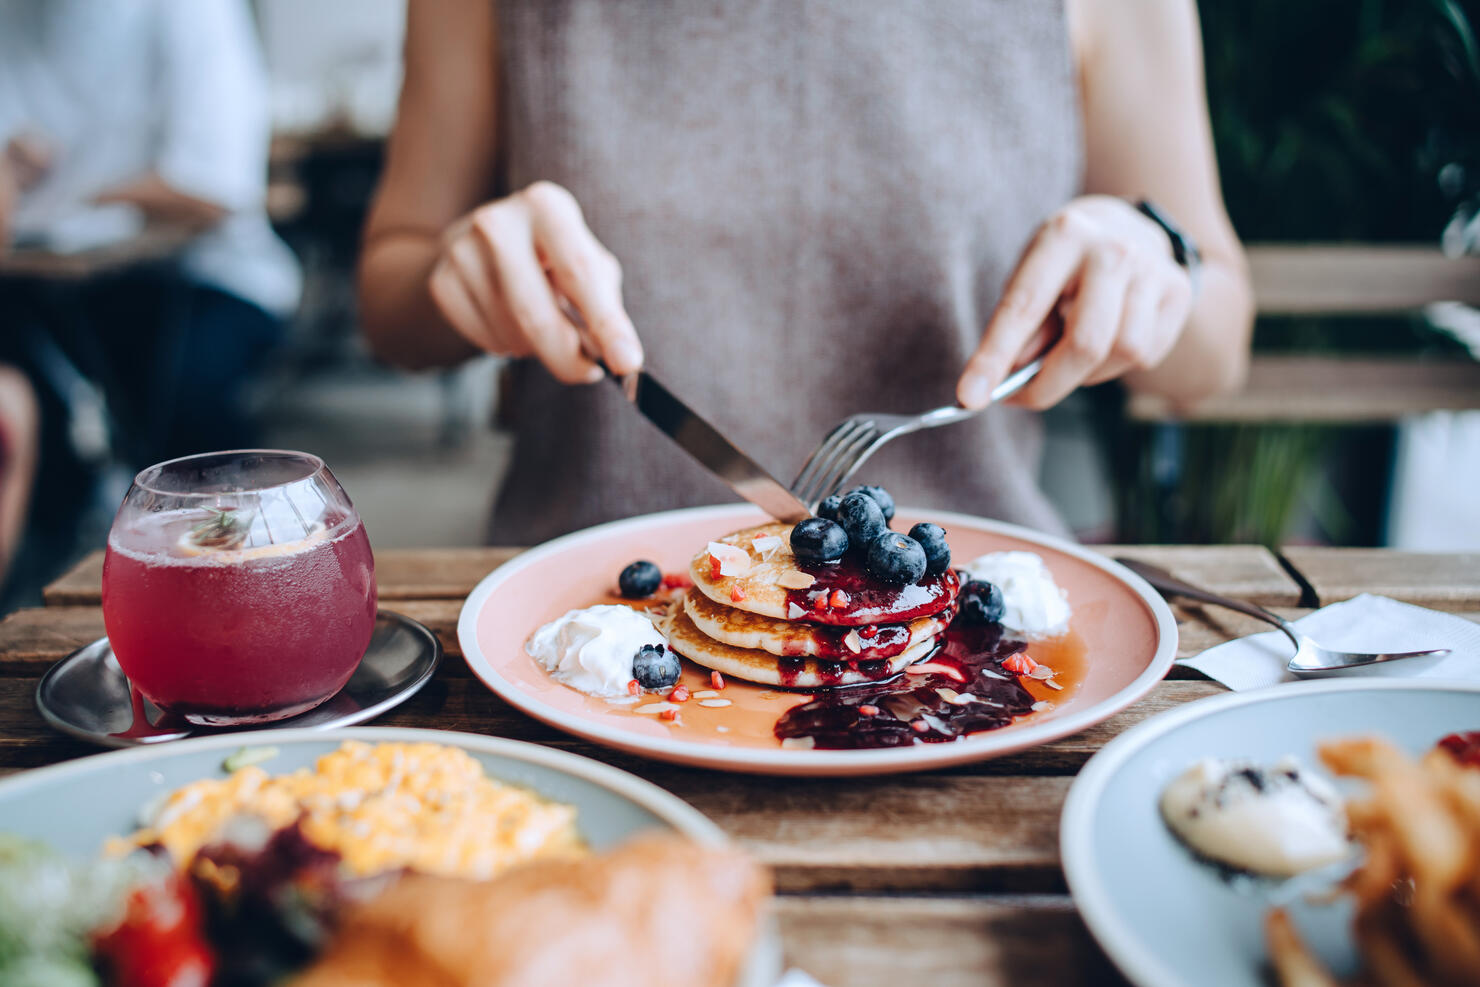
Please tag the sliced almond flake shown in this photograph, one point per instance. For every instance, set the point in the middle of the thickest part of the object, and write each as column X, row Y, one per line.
column 949, row 695
column 1041, row 705
column 1041, row 672
column 656, row 708
column 1053, row 685
column 624, row 700
column 853, row 642
column 928, row 667
column 795, row 579
column 963, row 698
column 793, row 611
column 705, row 694
column 799, row 743
column 714, row 703
column 766, row 546
column 733, row 560
column 991, row 674
column 721, row 729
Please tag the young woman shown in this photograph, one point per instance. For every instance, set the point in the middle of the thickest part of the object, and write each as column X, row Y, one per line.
column 796, row 211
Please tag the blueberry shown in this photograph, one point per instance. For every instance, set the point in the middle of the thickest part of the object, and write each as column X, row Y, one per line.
column 881, row 497
column 860, row 516
column 980, row 603
column 896, row 558
column 829, row 507
column 932, row 538
column 655, row 667
column 818, row 540
column 640, row 579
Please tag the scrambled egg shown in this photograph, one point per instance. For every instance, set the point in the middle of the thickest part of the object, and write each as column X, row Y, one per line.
column 424, row 806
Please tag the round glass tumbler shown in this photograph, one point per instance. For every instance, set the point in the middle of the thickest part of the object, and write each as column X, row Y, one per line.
column 238, row 587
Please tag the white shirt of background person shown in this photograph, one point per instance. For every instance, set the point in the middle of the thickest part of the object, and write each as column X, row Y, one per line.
column 120, row 89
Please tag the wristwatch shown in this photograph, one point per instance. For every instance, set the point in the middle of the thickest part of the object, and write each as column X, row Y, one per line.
column 1184, row 250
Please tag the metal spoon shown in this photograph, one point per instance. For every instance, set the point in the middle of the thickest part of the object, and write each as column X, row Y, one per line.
column 1310, row 658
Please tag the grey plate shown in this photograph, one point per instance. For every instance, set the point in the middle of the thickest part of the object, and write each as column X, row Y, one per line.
column 1165, row 918
column 77, row 805
column 87, row 695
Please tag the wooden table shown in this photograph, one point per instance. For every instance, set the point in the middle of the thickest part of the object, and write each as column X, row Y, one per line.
column 940, row 878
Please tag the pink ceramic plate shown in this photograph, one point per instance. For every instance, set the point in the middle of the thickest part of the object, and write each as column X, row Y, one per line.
column 1121, row 642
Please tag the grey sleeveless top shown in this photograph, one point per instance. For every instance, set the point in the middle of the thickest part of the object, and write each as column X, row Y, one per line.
column 816, row 204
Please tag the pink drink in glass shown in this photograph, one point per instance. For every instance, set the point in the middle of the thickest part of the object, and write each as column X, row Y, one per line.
column 237, row 632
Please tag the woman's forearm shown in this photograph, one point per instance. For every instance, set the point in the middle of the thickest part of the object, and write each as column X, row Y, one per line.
column 397, row 314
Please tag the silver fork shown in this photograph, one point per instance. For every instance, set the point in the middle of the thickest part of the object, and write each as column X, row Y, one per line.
column 1310, row 658
column 857, row 437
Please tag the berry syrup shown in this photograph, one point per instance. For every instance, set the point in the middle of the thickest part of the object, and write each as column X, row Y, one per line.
column 845, row 595
column 960, row 688
column 872, row 640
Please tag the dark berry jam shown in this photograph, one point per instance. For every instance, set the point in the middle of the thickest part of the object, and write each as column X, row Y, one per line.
column 890, row 640
column 1463, row 747
column 844, row 594
column 908, row 709
column 875, row 642
column 831, row 670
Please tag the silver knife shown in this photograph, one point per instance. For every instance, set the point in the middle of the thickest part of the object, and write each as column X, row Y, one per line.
column 703, row 441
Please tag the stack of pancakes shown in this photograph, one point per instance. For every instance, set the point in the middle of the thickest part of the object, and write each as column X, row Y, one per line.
column 767, row 624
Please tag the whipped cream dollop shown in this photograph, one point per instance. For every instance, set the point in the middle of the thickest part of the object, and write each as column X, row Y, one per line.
column 1033, row 604
column 591, row 649
column 1280, row 821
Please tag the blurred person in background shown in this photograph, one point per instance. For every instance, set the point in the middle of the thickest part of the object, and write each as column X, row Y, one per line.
column 19, row 433
column 121, row 124
column 123, row 117
column 797, row 212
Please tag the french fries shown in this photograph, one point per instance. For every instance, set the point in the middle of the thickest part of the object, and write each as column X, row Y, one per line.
column 1417, row 893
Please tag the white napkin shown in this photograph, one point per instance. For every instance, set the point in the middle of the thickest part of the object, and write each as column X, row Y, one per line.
column 1364, row 623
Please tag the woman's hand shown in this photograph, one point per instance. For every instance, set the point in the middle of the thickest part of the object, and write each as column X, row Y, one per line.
column 524, row 276
column 1108, row 273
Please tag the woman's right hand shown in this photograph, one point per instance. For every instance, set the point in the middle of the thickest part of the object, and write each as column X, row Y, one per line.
column 524, row 276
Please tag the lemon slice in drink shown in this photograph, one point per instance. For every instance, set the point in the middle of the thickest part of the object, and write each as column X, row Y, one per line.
column 188, row 546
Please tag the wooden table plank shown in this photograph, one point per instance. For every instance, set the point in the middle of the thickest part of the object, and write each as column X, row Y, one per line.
column 32, row 639
column 941, row 942
column 1250, row 572
column 402, row 574
column 991, row 826
column 1443, row 581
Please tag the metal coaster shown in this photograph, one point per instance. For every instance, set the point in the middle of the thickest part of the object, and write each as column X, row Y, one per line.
column 87, row 695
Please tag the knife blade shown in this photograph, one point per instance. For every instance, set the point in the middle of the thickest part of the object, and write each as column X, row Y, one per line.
column 704, row 442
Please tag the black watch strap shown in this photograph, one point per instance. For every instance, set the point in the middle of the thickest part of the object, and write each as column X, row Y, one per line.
column 1184, row 250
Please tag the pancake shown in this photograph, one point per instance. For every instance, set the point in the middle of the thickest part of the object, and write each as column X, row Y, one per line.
column 791, row 638
column 842, row 594
column 767, row 669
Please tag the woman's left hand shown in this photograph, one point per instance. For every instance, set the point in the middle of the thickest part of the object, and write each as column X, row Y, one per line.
column 1108, row 273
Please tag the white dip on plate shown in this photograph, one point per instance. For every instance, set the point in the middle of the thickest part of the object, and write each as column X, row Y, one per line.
column 591, row 649
column 1034, row 604
column 1280, row 821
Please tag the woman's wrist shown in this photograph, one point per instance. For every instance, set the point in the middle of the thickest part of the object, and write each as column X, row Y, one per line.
column 1184, row 248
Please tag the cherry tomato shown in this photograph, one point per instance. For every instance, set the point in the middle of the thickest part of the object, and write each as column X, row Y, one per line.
column 158, row 943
